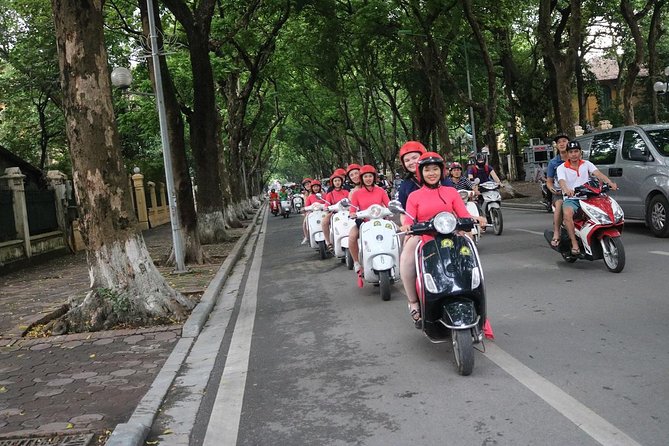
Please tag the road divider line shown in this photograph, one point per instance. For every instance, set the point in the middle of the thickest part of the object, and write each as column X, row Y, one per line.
column 527, row 230
column 661, row 253
column 594, row 425
column 223, row 426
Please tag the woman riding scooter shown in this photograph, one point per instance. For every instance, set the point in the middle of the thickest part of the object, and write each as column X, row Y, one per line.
column 422, row 205
column 368, row 194
column 336, row 194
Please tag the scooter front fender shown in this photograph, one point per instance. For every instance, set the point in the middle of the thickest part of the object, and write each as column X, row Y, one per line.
column 319, row 236
column 459, row 314
column 382, row 262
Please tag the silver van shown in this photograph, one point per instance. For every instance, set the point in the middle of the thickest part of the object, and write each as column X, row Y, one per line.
column 637, row 159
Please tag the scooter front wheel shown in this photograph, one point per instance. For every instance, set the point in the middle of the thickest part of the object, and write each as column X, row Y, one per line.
column 384, row 285
column 322, row 250
column 463, row 350
column 497, row 222
column 613, row 252
column 349, row 260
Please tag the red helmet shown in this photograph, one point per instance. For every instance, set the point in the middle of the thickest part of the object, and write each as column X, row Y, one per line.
column 368, row 169
column 410, row 147
column 456, row 165
column 352, row 167
column 315, row 183
column 430, row 158
column 306, row 180
column 338, row 173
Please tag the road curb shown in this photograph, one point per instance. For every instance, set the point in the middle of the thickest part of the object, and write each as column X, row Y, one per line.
column 135, row 430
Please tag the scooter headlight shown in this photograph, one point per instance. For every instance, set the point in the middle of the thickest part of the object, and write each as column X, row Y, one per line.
column 375, row 211
column 618, row 213
column 445, row 222
column 464, row 195
column 596, row 213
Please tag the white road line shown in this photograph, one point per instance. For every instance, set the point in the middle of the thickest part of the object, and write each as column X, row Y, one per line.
column 662, row 253
column 527, row 230
column 597, row 427
column 223, row 427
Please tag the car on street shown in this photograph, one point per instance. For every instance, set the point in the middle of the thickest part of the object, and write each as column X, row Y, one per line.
column 637, row 159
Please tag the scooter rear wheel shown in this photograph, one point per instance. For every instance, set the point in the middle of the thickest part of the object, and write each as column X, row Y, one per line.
column 463, row 350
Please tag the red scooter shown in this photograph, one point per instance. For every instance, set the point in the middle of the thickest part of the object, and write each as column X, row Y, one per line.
column 274, row 207
column 598, row 225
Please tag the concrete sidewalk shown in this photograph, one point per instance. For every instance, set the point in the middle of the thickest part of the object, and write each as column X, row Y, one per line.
column 78, row 387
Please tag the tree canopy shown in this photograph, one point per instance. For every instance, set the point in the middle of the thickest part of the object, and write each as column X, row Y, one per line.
column 302, row 87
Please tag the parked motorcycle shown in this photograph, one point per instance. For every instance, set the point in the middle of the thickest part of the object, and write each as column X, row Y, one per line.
column 285, row 208
column 274, row 207
column 450, row 286
column 340, row 227
column 546, row 197
column 598, row 226
column 315, row 230
column 379, row 245
column 491, row 201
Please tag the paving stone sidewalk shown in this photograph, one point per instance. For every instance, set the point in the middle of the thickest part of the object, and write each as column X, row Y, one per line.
column 85, row 382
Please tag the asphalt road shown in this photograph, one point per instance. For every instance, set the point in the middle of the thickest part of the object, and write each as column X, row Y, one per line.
column 579, row 357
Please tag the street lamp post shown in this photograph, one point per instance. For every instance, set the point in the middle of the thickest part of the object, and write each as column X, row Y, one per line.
column 121, row 76
column 662, row 87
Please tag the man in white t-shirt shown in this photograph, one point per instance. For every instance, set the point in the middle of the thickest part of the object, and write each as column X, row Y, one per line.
column 573, row 173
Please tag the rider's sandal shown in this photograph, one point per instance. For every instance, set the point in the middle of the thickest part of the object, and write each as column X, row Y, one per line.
column 415, row 316
column 555, row 242
column 575, row 252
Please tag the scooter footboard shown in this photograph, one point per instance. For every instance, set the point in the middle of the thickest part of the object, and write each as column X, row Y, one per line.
column 459, row 314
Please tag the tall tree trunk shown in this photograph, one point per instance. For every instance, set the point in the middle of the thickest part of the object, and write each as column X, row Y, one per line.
column 125, row 285
column 634, row 67
column 561, row 62
column 204, row 120
column 193, row 252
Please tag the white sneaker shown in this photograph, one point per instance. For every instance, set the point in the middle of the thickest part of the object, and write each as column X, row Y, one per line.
column 304, row 241
column 356, row 267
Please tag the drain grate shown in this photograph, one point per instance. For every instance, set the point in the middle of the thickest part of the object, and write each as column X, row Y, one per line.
column 58, row 440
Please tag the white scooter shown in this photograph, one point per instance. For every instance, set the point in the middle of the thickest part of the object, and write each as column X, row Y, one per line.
column 298, row 203
column 379, row 248
column 340, row 227
column 285, row 208
column 492, row 200
column 315, row 230
column 468, row 197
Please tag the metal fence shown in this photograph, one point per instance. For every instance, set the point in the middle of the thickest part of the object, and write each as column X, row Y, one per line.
column 7, row 226
column 41, row 208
